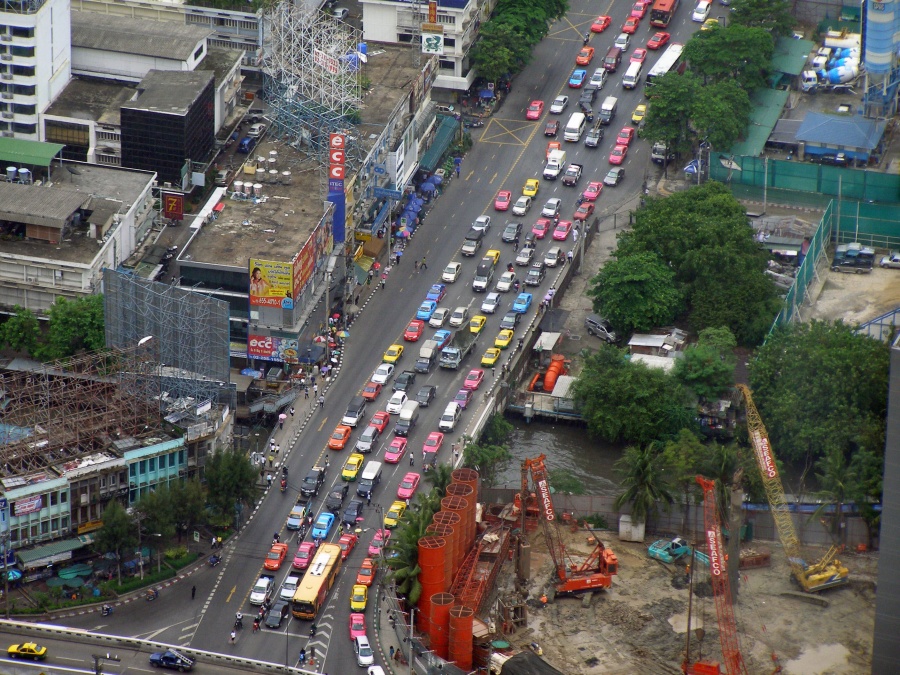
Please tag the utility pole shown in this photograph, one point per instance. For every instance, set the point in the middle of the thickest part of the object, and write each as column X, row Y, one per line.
column 100, row 658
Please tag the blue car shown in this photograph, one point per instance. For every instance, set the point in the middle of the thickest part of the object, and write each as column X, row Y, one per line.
column 323, row 525
column 436, row 293
column 426, row 309
column 522, row 303
column 442, row 337
column 577, row 79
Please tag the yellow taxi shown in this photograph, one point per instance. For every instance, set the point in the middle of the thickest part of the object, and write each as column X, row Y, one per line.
column 532, row 185
column 639, row 113
column 351, row 468
column 504, row 338
column 476, row 323
column 27, row 650
column 709, row 24
column 394, row 514
column 494, row 255
column 393, row 354
column 358, row 598
column 490, row 357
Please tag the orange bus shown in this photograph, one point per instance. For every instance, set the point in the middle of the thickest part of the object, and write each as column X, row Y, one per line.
column 662, row 12
column 318, row 580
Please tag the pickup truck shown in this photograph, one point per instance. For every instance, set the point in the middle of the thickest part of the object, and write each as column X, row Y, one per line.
column 673, row 550
column 262, row 589
column 473, row 242
column 298, row 513
column 288, row 587
column 428, row 353
column 313, row 481
column 462, row 342
column 853, row 257
column 555, row 161
column 660, row 154
column 572, row 174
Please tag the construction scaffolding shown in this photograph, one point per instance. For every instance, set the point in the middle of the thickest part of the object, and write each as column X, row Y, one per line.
column 313, row 65
column 72, row 408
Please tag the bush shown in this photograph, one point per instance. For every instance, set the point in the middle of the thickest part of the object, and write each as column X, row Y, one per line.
column 597, row 521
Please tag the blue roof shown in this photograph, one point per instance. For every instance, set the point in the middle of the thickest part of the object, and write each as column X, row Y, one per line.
column 847, row 131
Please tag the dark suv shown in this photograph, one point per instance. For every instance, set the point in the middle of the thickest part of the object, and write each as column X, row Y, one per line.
column 404, row 381
column 335, row 499
column 353, row 513
column 510, row 321
column 313, row 481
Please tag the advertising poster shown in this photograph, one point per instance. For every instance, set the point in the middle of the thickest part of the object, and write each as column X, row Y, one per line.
column 271, row 283
column 269, row 348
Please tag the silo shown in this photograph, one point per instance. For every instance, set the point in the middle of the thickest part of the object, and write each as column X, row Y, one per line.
column 882, row 24
column 466, row 477
column 432, row 551
column 465, row 492
column 454, row 521
column 440, row 623
column 448, row 535
column 461, row 636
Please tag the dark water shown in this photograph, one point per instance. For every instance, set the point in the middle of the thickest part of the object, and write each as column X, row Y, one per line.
column 567, row 447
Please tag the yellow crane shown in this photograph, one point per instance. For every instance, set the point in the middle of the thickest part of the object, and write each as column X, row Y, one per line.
column 826, row 573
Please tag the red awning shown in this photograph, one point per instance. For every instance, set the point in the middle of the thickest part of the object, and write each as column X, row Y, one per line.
column 218, row 208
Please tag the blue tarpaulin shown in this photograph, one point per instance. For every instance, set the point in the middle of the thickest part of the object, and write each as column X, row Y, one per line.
column 486, row 93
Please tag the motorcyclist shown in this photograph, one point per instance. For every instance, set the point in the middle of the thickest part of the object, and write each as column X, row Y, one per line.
column 284, row 471
column 239, row 620
column 312, row 631
column 276, row 538
column 587, row 38
column 106, row 610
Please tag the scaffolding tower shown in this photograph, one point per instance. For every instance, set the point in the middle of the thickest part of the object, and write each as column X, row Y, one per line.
column 312, row 68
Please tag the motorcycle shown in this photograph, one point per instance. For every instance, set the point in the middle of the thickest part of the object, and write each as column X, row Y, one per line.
column 214, row 560
column 283, row 485
column 106, row 610
column 239, row 623
column 474, row 125
column 152, row 595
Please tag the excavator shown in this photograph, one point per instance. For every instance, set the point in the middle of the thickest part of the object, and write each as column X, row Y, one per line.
column 826, row 573
column 597, row 570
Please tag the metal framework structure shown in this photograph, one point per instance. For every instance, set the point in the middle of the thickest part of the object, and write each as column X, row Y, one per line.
column 479, row 570
column 75, row 407
column 312, row 67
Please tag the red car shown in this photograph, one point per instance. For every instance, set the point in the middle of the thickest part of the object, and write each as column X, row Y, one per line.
column 347, row 542
column 340, row 437
column 434, row 442
column 357, row 626
column 584, row 211
column 585, row 56
column 414, row 330
column 562, row 229
column 535, row 110
column 631, row 25
column 541, row 227
column 552, row 128
column 502, row 201
column 408, row 485
column 366, row 574
column 601, row 23
column 380, row 421
column 617, row 156
column 638, row 56
column 593, row 191
column 639, row 9
column 659, row 40
column 473, row 379
column 378, row 542
column 394, row 452
column 370, row 391
column 304, row 555
column 625, row 136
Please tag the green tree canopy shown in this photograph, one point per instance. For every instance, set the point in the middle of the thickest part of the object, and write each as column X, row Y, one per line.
column 488, row 460
column 719, row 338
column 671, row 104
column 119, row 532
column 499, row 50
column 645, row 479
column 75, row 325
column 721, row 111
column 703, row 371
column 230, row 480
column 736, row 53
column 820, row 386
column 773, row 16
column 22, row 331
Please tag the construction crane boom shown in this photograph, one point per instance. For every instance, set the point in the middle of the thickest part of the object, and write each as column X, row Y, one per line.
column 828, row 572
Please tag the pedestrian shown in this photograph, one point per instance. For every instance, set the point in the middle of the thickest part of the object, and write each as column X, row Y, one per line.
column 457, row 170
column 277, row 448
column 269, row 479
column 455, row 453
column 321, row 401
column 281, row 424
column 302, row 658
column 407, row 499
column 292, row 411
column 569, row 256
column 391, row 650
column 412, row 459
column 193, row 592
column 423, row 265
column 369, row 498
column 271, row 444
column 271, row 459
column 305, row 392
column 369, row 277
column 312, row 379
column 315, row 389
column 212, row 543
column 416, row 266
column 233, row 637
column 574, row 236
column 383, row 279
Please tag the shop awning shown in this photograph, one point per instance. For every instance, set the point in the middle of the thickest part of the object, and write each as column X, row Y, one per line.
column 442, row 140
column 34, row 557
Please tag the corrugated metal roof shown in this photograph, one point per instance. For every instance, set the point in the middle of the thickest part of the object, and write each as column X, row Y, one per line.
column 547, row 341
column 33, row 153
column 39, row 205
column 767, row 105
column 790, row 55
column 647, row 340
column 54, row 548
column 159, row 39
column 442, row 140
column 665, row 363
column 845, row 131
column 562, row 387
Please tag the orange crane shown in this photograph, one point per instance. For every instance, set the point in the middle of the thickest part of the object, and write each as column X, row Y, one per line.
column 597, row 570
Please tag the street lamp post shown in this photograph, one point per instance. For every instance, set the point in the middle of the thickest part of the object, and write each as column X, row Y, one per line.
column 158, row 557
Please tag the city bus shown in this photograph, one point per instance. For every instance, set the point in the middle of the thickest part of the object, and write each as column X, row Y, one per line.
column 662, row 12
column 670, row 61
column 319, row 578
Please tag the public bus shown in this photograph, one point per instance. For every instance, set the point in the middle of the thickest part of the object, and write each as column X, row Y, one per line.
column 669, row 61
column 662, row 12
column 319, row 578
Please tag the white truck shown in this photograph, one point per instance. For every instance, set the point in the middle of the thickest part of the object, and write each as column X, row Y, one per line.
column 262, row 589
column 556, row 160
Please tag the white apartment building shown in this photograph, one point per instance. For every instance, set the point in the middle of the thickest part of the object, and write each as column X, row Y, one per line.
column 35, row 62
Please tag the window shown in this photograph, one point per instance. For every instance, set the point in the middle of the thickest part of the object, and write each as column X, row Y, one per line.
column 103, row 481
column 25, row 71
column 449, row 42
column 34, row 531
column 172, row 460
column 143, row 467
column 153, row 464
column 24, row 128
column 54, row 498
column 132, row 470
column 199, row 53
column 22, row 51
column 14, row 535
column 63, row 497
column 181, row 456
column 54, row 524
column 45, row 527
column 22, row 31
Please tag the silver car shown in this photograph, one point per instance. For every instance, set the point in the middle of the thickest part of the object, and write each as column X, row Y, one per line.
column 559, row 104
column 507, row 279
column 459, row 317
column 525, row 256
column 522, row 206
column 892, row 260
column 439, row 318
column 482, row 223
column 551, row 208
column 622, row 41
column 491, row 303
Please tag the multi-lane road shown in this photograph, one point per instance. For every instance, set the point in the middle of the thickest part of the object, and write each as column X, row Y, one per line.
column 507, row 151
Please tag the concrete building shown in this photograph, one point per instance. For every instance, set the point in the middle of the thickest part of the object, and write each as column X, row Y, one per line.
column 393, row 21
column 34, row 62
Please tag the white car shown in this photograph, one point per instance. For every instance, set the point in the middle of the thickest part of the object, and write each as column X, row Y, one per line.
column 459, row 317
column 491, row 303
column 256, row 130
column 525, row 255
column 395, row 405
column 439, row 318
column 507, row 279
column 288, row 588
column 551, row 208
column 559, row 104
column 598, row 78
column 451, row 272
column 622, row 42
column 482, row 223
column 522, row 205
column 892, row 260
column 383, row 373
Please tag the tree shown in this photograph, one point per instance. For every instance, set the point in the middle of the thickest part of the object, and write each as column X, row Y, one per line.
column 626, row 402
column 230, row 481
column 719, row 338
column 439, row 478
column 497, row 431
column 156, row 513
column 721, row 111
column 645, row 481
column 566, row 482
column 837, row 482
column 488, row 460
column 866, row 491
column 736, row 53
column 668, row 116
column 773, row 16
column 683, row 457
column 702, row 370
column 636, row 292
column 118, row 533
column 188, row 505
column 22, row 331
column 819, row 386
column 75, row 325
column 499, row 50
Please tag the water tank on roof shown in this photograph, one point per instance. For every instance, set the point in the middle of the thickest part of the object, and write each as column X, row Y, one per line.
column 11, row 172
column 286, row 177
column 25, row 176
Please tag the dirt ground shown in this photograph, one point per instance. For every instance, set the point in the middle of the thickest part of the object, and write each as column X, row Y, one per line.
column 856, row 298
column 638, row 626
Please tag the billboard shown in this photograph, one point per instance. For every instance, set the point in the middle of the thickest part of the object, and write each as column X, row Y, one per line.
column 22, row 507
column 271, row 283
column 173, row 205
column 313, row 253
column 270, row 348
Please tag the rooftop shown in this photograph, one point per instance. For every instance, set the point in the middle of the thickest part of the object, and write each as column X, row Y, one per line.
column 47, row 207
column 274, row 228
column 170, row 91
column 220, row 61
column 391, row 69
column 790, row 55
column 92, row 100
column 158, row 39
column 848, row 131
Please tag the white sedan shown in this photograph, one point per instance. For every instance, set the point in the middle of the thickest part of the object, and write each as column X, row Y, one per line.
column 383, row 373
column 522, row 206
column 507, row 279
column 551, row 208
column 892, row 260
column 439, row 318
column 559, row 104
column 451, row 272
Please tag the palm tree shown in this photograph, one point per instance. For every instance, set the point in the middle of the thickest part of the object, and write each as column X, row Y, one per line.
column 403, row 562
column 645, row 480
column 439, row 478
column 838, row 479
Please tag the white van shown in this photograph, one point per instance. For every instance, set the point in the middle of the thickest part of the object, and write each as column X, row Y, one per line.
column 632, row 76
column 450, row 417
column 409, row 415
column 701, row 12
column 364, row 654
column 371, row 476
column 575, row 127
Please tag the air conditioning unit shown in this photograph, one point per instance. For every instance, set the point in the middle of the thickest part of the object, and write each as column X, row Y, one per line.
column 5, row 38
column 6, row 76
column 6, row 57
column 7, row 115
